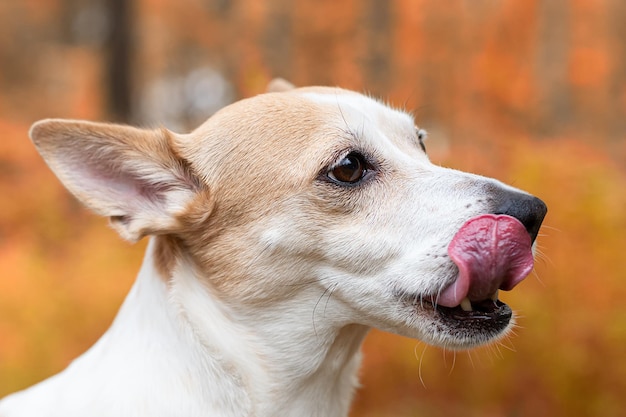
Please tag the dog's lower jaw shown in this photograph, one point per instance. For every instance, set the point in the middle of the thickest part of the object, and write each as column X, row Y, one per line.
column 160, row 359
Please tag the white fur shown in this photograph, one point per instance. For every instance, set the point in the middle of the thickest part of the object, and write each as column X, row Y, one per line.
column 279, row 336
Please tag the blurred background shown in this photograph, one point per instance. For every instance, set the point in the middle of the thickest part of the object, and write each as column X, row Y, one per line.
column 530, row 92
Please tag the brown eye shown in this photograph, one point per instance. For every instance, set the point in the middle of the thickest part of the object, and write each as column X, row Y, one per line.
column 350, row 169
column 421, row 137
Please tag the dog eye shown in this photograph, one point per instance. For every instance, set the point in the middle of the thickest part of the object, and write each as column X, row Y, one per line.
column 350, row 169
column 421, row 137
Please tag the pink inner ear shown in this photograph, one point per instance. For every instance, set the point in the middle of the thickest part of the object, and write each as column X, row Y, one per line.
column 124, row 194
column 130, row 175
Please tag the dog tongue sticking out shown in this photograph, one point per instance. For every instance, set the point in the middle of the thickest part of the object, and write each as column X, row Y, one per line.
column 492, row 252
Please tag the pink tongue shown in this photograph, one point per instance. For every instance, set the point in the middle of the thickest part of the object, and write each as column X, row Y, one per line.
column 492, row 252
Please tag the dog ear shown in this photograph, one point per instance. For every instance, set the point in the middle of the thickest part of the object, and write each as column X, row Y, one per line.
column 279, row 85
column 133, row 176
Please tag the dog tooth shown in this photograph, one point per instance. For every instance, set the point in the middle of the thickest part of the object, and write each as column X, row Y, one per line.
column 494, row 296
column 466, row 305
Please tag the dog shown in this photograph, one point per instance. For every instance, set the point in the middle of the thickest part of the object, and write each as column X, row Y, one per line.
column 281, row 230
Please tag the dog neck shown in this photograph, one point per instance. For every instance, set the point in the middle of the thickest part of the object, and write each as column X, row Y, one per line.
column 180, row 348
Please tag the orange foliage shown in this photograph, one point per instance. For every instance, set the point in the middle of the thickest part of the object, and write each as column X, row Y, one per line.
column 532, row 93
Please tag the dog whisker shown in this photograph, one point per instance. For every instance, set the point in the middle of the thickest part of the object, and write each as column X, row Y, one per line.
column 453, row 362
column 547, row 226
column 330, row 294
column 538, row 278
column 506, row 346
column 326, row 290
column 471, row 359
column 495, row 350
column 420, row 358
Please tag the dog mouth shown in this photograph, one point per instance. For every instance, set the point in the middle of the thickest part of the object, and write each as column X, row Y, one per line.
column 474, row 321
column 491, row 253
column 493, row 312
column 487, row 316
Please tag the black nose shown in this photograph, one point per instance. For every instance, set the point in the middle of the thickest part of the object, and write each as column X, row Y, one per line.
column 529, row 210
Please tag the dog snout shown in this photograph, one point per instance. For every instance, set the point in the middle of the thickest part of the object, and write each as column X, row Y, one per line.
column 528, row 209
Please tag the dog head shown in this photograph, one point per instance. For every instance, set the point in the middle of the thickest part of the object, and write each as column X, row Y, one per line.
column 316, row 190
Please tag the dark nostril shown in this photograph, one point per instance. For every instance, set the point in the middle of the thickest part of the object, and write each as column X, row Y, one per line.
column 529, row 210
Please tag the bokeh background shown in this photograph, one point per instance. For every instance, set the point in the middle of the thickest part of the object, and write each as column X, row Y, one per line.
column 531, row 92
